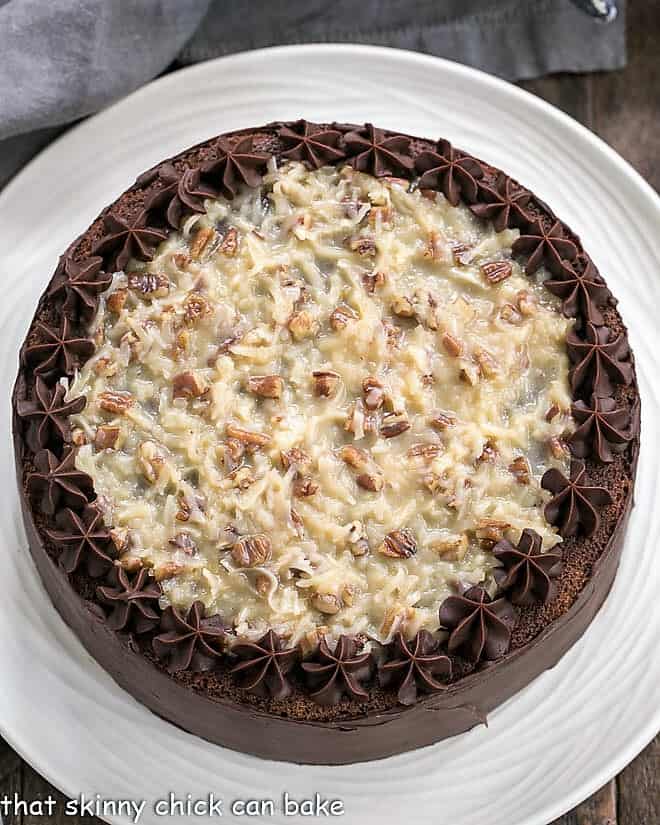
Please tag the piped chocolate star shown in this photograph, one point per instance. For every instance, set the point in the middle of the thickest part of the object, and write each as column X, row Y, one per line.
column 479, row 627
column 599, row 360
column 127, row 238
column 310, row 143
column 575, row 504
column 414, row 666
column 504, row 203
column 545, row 246
column 237, row 164
column 369, row 150
column 47, row 415
column 57, row 349
column 81, row 284
column 450, row 172
column 339, row 672
column 189, row 641
column 264, row 666
column 527, row 574
column 604, row 429
column 181, row 193
column 86, row 541
column 582, row 293
column 133, row 600
column 57, row 482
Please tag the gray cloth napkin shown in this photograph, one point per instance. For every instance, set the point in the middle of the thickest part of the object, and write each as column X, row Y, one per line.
column 64, row 59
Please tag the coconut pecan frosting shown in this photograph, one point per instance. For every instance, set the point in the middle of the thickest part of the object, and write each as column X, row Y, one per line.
column 529, row 580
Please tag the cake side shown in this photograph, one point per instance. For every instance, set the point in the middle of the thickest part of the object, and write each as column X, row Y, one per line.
column 542, row 631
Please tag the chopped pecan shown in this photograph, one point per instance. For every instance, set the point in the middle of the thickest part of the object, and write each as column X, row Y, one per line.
column 327, row 603
column 302, row 324
column 558, row 447
column 490, row 531
column 310, row 640
column 374, row 393
column 106, row 437
column 355, row 457
column 527, row 304
column 266, row 386
column 325, row 383
column 510, row 314
column 402, row 307
column 188, row 385
column 248, row 437
column 459, row 251
column 295, row 457
column 150, row 459
column 348, row 594
column 452, row 345
column 552, row 412
column 304, row 486
column 394, row 424
column 373, row 281
column 359, row 547
column 115, row 401
column 252, row 551
column 357, row 541
column 425, row 452
column 469, row 373
column 183, row 541
column 181, row 342
column 149, row 284
column 496, row 271
column 195, row 307
column 435, row 248
column 185, row 507
column 242, row 478
column 181, row 260
column 394, row 618
column 393, row 334
column 264, row 585
column 298, row 523
column 399, row 544
column 488, row 453
column 120, row 538
column 167, row 570
column 359, row 420
column 373, row 481
column 442, row 420
column 381, row 215
column 519, row 468
column 131, row 564
column 233, row 452
column 341, row 316
column 116, row 300
column 229, row 244
column 78, row 437
column 451, row 548
column 363, row 245
column 488, row 365
column 201, row 241
column 433, row 482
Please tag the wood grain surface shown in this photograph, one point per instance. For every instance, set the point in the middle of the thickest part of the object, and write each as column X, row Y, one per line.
column 623, row 108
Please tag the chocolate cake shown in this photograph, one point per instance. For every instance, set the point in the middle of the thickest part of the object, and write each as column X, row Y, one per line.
column 326, row 439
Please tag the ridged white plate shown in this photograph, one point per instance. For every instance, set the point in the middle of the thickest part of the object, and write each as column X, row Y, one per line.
column 555, row 742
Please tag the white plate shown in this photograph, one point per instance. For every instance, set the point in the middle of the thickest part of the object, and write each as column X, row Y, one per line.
column 555, row 742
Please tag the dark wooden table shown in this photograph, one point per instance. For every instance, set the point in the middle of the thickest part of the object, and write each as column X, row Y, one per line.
column 623, row 108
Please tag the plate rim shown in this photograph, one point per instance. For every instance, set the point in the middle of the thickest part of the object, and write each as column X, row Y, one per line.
column 637, row 743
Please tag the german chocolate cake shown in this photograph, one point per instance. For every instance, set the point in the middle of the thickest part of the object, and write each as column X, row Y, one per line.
column 326, row 439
